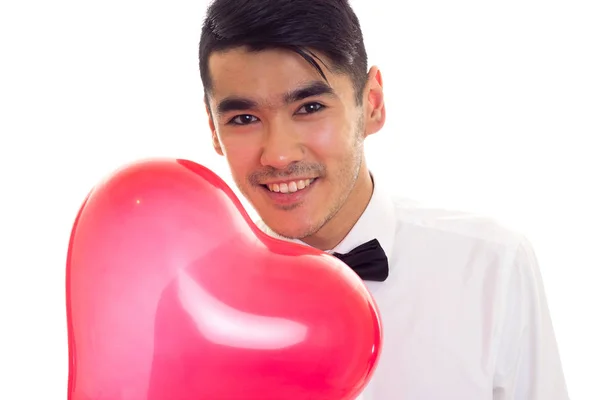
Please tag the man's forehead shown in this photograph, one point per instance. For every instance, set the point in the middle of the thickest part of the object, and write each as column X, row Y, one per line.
column 268, row 74
column 240, row 57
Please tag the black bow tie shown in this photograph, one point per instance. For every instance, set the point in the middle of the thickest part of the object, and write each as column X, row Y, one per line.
column 368, row 260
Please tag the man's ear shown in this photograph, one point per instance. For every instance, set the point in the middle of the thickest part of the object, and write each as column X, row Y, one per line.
column 375, row 104
column 213, row 131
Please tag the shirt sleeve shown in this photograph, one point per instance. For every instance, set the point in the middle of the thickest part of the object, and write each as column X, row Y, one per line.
column 528, row 365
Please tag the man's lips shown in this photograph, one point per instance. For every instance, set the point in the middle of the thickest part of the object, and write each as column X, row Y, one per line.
column 282, row 194
column 289, row 186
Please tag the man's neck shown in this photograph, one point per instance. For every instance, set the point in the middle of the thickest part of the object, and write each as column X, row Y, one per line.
column 336, row 229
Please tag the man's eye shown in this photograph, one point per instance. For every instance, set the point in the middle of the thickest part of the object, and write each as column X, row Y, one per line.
column 243, row 119
column 311, row 108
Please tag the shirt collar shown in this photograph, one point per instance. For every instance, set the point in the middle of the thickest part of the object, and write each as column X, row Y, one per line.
column 376, row 222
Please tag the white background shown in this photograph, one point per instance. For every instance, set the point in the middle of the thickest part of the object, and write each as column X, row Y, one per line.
column 492, row 107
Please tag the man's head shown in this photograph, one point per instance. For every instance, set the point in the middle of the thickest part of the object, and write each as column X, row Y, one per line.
column 290, row 102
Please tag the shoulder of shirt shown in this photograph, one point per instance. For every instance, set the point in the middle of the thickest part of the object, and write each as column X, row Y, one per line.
column 411, row 213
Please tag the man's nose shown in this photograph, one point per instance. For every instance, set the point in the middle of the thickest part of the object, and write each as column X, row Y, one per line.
column 282, row 146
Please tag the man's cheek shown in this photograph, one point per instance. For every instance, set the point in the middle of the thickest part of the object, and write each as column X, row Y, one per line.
column 326, row 138
column 241, row 157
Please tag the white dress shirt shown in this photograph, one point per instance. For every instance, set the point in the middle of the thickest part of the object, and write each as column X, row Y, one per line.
column 463, row 310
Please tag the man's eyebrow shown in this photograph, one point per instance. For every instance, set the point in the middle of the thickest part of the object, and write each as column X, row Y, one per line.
column 316, row 88
column 234, row 103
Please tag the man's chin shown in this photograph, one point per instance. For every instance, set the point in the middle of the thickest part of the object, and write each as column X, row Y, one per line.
column 292, row 225
column 289, row 232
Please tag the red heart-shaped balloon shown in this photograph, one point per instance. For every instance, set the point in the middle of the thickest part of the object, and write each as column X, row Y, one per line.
column 173, row 293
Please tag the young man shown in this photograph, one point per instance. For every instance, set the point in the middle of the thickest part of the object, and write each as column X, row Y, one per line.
column 290, row 101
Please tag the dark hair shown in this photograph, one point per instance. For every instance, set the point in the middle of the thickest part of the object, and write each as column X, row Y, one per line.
column 329, row 27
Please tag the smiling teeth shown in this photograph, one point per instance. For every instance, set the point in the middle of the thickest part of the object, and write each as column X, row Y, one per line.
column 289, row 187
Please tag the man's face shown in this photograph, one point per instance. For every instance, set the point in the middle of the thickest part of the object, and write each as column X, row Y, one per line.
column 293, row 141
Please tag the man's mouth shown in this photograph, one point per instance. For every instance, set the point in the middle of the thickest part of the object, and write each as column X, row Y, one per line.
column 289, row 186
